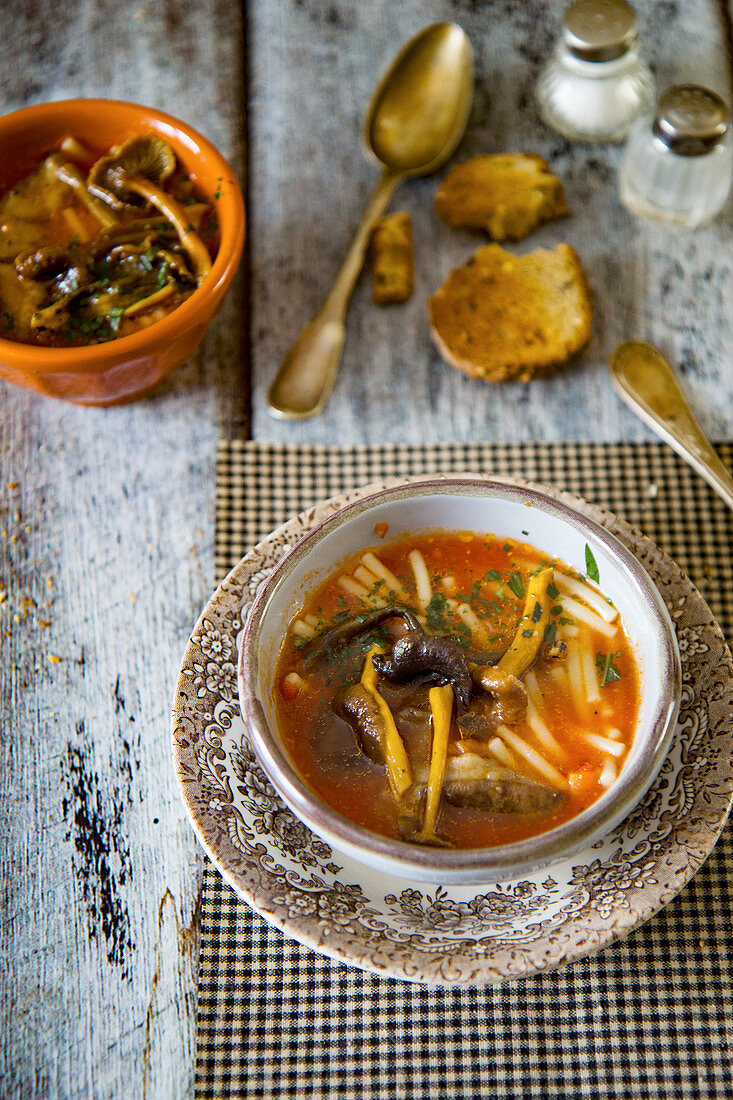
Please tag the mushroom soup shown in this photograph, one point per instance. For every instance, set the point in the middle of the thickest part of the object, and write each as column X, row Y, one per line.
column 457, row 690
column 92, row 248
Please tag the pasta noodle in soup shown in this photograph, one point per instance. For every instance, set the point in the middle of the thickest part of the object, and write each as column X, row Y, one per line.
column 457, row 689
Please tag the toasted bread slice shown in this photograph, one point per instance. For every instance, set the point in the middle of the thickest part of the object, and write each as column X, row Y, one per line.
column 505, row 317
column 507, row 194
column 393, row 265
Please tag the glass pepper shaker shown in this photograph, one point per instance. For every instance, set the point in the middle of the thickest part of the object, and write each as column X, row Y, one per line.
column 597, row 83
column 677, row 165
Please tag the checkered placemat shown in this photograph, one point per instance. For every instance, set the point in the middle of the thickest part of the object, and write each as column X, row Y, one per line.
column 650, row 1017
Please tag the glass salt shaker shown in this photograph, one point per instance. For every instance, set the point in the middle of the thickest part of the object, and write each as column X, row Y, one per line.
column 677, row 165
column 597, row 83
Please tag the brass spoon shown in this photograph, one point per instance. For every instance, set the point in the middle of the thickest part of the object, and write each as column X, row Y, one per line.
column 648, row 384
column 414, row 122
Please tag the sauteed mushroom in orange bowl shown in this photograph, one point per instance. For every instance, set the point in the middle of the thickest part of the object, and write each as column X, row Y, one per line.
column 121, row 229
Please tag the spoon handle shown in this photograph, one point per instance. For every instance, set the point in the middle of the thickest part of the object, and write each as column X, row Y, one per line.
column 305, row 379
column 648, row 384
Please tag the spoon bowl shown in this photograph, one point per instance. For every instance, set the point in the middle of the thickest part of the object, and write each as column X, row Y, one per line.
column 415, row 120
column 419, row 111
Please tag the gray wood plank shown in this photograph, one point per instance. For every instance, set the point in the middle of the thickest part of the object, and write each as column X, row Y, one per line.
column 314, row 65
column 110, row 534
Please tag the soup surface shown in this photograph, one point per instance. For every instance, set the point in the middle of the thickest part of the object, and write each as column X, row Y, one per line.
column 95, row 247
column 457, row 689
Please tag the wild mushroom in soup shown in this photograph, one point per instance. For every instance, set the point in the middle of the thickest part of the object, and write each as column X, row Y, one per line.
column 458, row 690
column 92, row 248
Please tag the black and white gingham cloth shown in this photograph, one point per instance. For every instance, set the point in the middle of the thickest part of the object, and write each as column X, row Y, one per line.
column 648, row 1018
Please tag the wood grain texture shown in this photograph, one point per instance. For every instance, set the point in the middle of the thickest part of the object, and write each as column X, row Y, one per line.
column 106, row 517
column 314, row 65
column 107, row 535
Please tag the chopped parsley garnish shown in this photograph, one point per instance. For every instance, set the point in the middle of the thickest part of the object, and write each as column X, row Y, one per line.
column 608, row 671
column 527, row 633
column 525, row 532
column 556, row 610
column 552, row 590
column 507, row 547
column 300, row 642
column 516, row 585
column 537, row 613
column 591, row 566
column 435, row 611
column 492, row 575
column 550, row 631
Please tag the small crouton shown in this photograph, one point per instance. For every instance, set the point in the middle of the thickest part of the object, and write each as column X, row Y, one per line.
column 393, row 266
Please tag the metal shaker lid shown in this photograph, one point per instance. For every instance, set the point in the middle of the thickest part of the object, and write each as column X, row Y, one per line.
column 599, row 30
column 691, row 119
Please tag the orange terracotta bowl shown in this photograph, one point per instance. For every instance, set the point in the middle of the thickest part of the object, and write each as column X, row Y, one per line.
column 121, row 370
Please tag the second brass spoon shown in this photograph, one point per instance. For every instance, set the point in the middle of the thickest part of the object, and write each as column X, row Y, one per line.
column 648, row 384
column 413, row 124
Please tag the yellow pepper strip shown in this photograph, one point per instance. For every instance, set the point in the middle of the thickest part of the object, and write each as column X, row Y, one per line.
column 399, row 772
column 441, row 705
column 531, row 630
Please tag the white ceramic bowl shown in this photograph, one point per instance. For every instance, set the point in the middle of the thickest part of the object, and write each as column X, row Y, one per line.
column 493, row 506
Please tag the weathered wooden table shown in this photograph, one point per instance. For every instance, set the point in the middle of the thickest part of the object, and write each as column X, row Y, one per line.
column 107, row 515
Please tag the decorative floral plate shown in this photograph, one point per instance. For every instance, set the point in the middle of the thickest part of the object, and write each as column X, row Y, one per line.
column 455, row 935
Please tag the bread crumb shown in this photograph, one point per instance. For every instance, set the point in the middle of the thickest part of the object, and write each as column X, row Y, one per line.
column 54, row 659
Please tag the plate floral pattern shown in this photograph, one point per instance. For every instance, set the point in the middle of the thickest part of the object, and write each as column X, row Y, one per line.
column 450, row 935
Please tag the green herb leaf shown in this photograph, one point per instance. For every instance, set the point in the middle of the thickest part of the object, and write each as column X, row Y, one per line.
column 608, row 671
column 556, row 610
column 527, row 633
column 591, row 567
column 537, row 613
column 492, row 575
column 552, row 590
column 550, row 631
column 516, row 585
column 435, row 611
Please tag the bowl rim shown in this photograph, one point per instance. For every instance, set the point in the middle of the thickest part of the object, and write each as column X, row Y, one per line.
column 470, row 864
column 188, row 314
